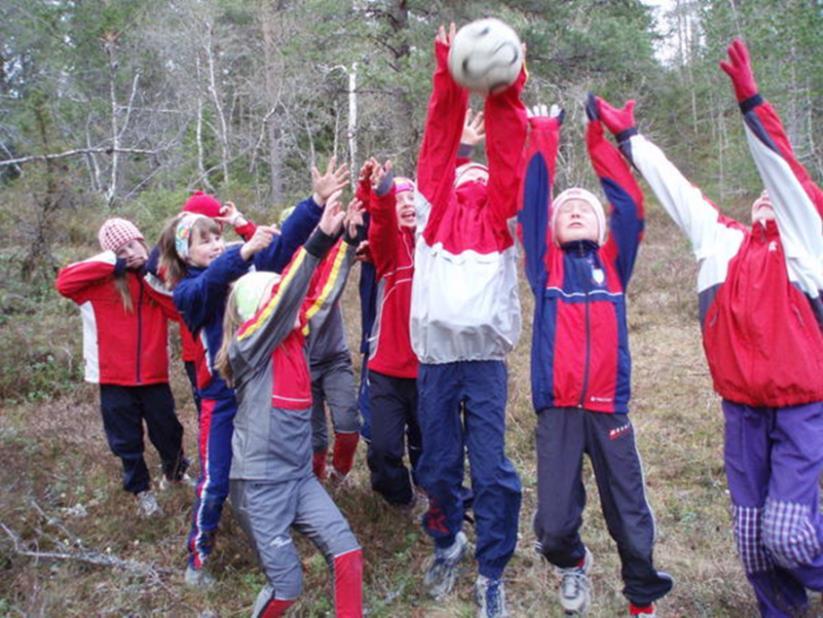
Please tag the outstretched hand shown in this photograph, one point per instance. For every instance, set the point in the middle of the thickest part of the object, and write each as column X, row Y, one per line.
column 230, row 215
column 332, row 218
column 333, row 180
column 739, row 69
column 353, row 218
column 541, row 111
column 445, row 37
column 379, row 172
column 262, row 238
column 474, row 129
column 617, row 120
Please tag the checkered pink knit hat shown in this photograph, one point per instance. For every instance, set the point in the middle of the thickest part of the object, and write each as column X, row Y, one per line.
column 116, row 232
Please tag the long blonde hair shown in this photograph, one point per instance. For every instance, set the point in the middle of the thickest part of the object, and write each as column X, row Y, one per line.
column 231, row 323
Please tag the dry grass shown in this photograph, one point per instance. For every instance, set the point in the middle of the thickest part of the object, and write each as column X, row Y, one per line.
column 54, row 456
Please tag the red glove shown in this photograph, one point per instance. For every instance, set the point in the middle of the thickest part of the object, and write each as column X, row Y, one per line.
column 740, row 71
column 617, row 121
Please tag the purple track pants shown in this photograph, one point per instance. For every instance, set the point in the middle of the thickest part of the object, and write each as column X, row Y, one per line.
column 774, row 460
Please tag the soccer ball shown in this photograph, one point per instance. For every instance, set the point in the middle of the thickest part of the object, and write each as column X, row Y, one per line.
column 485, row 56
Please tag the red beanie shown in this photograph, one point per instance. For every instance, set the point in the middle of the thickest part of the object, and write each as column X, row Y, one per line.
column 203, row 204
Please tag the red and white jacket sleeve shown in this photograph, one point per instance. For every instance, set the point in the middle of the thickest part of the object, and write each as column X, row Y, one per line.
column 797, row 200
column 715, row 239
column 77, row 281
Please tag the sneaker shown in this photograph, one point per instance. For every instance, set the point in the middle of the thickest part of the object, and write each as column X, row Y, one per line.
column 491, row 597
column 198, row 578
column 147, row 504
column 575, row 590
column 185, row 480
column 440, row 576
column 644, row 611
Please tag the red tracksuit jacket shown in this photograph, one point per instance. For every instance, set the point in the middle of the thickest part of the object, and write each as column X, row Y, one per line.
column 119, row 347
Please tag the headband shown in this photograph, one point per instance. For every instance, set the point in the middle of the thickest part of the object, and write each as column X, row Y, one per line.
column 182, row 235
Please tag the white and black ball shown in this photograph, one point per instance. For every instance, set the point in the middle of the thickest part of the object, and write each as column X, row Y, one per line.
column 485, row 56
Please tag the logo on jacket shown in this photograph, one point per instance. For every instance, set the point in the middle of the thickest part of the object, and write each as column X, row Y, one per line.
column 619, row 432
column 772, row 246
column 599, row 276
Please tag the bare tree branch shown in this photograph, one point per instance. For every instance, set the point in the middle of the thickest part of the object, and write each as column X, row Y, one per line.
column 83, row 151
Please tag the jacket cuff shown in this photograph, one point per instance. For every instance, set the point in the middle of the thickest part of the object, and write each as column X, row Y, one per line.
column 386, row 184
column 119, row 267
column 749, row 104
column 319, row 243
column 625, row 135
column 465, row 151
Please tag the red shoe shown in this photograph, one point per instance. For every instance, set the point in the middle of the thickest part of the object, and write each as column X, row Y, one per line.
column 644, row 611
column 345, row 446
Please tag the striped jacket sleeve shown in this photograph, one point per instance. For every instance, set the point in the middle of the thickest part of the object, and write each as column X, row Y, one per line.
column 536, row 197
column 327, row 284
column 626, row 217
column 797, row 200
column 257, row 338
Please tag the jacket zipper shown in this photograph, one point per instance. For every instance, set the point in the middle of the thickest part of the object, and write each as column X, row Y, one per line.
column 588, row 354
column 139, row 327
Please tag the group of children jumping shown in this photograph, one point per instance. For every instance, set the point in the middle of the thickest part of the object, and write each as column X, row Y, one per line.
column 266, row 352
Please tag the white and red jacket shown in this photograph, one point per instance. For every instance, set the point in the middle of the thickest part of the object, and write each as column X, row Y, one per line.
column 464, row 296
column 759, row 288
column 127, row 348
column 392, row 251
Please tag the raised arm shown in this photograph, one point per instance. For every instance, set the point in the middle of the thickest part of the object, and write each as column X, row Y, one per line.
column 796, row 199
column 505, row 121
column 708, row 230
column 441, row 135
column 257, row 338
column 75, row 280
column 536, row 192
column 383, row 227
column 626, row 217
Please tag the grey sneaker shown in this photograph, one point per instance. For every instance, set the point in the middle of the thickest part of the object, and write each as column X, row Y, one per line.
column 440, row 576
column 198, row 578
column 147, row 504
column 575, row 590
column 491, row 597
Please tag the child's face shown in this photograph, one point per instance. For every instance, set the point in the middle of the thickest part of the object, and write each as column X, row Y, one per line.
column 473, row 174
column 576, row 221
column 404, row 203
column 205, row 248
column 135, row 254
column 762, row 209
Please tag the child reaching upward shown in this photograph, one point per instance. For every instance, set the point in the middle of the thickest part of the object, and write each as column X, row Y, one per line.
column 465, row 319
column 392, row 363
column 273, row 487
column 578, row 265
column 759, row 292
column 199, row 269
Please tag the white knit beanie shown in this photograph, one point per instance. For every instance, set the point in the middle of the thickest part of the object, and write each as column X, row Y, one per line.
column 576, row 193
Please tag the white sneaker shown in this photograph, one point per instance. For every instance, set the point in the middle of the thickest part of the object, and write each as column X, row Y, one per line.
column 491, row 597
column 147, row 504
column 575, row 590
column 198, row 578
column 441, row 574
